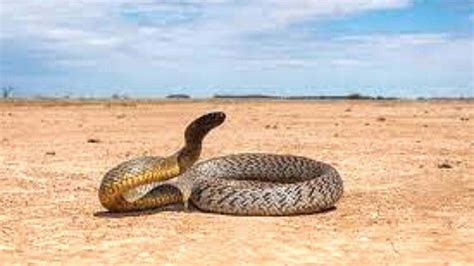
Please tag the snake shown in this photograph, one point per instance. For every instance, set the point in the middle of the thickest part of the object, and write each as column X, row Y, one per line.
column 256, row 184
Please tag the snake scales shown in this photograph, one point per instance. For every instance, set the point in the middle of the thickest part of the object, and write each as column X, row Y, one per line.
column 241, row 184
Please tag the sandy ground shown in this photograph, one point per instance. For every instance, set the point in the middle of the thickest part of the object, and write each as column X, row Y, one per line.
column 408, row 169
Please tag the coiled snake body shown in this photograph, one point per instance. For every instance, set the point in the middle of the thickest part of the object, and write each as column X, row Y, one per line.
column 241, row 184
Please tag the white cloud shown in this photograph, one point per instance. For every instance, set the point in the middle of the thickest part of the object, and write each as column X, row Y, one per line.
column 79, row 37
column 74, row 63
column 349, row 62
column 216, row 30
column 210, row 14
column 284, row 12
column 398, row 39
column 133, row 37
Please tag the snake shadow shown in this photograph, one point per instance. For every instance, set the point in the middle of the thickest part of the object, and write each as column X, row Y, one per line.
column 179, row 207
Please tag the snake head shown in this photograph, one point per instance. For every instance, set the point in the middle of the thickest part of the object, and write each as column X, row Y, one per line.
column 199, row 128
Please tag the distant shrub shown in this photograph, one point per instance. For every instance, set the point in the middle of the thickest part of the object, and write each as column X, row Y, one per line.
column 178, row 96
column 7, row 92
column 356, row 96
column 245, row 96
column 118, row 96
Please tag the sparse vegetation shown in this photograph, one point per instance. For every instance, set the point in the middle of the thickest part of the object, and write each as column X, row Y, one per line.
column 178, row 96
column 119, row 96
column 246, row 96
column 354, row 96
column 7, row 92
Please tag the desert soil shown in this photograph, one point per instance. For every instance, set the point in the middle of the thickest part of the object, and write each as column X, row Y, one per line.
column 408, row 169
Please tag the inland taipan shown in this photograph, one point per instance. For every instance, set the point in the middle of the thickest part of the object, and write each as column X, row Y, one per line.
column 240, row 184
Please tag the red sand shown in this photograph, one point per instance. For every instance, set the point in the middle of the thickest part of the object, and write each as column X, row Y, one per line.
column 400, row 204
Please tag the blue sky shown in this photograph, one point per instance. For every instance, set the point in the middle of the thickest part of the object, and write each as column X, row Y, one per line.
column 147, row 48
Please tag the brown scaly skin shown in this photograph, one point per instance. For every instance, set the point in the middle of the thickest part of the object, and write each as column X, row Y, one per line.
column 239, row 184
column 144, row 170
column 133, row 173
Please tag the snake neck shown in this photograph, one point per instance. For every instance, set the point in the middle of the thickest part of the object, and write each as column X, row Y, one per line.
column 188, row 155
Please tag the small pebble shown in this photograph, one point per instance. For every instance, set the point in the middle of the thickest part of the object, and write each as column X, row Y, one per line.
column 445, row 166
